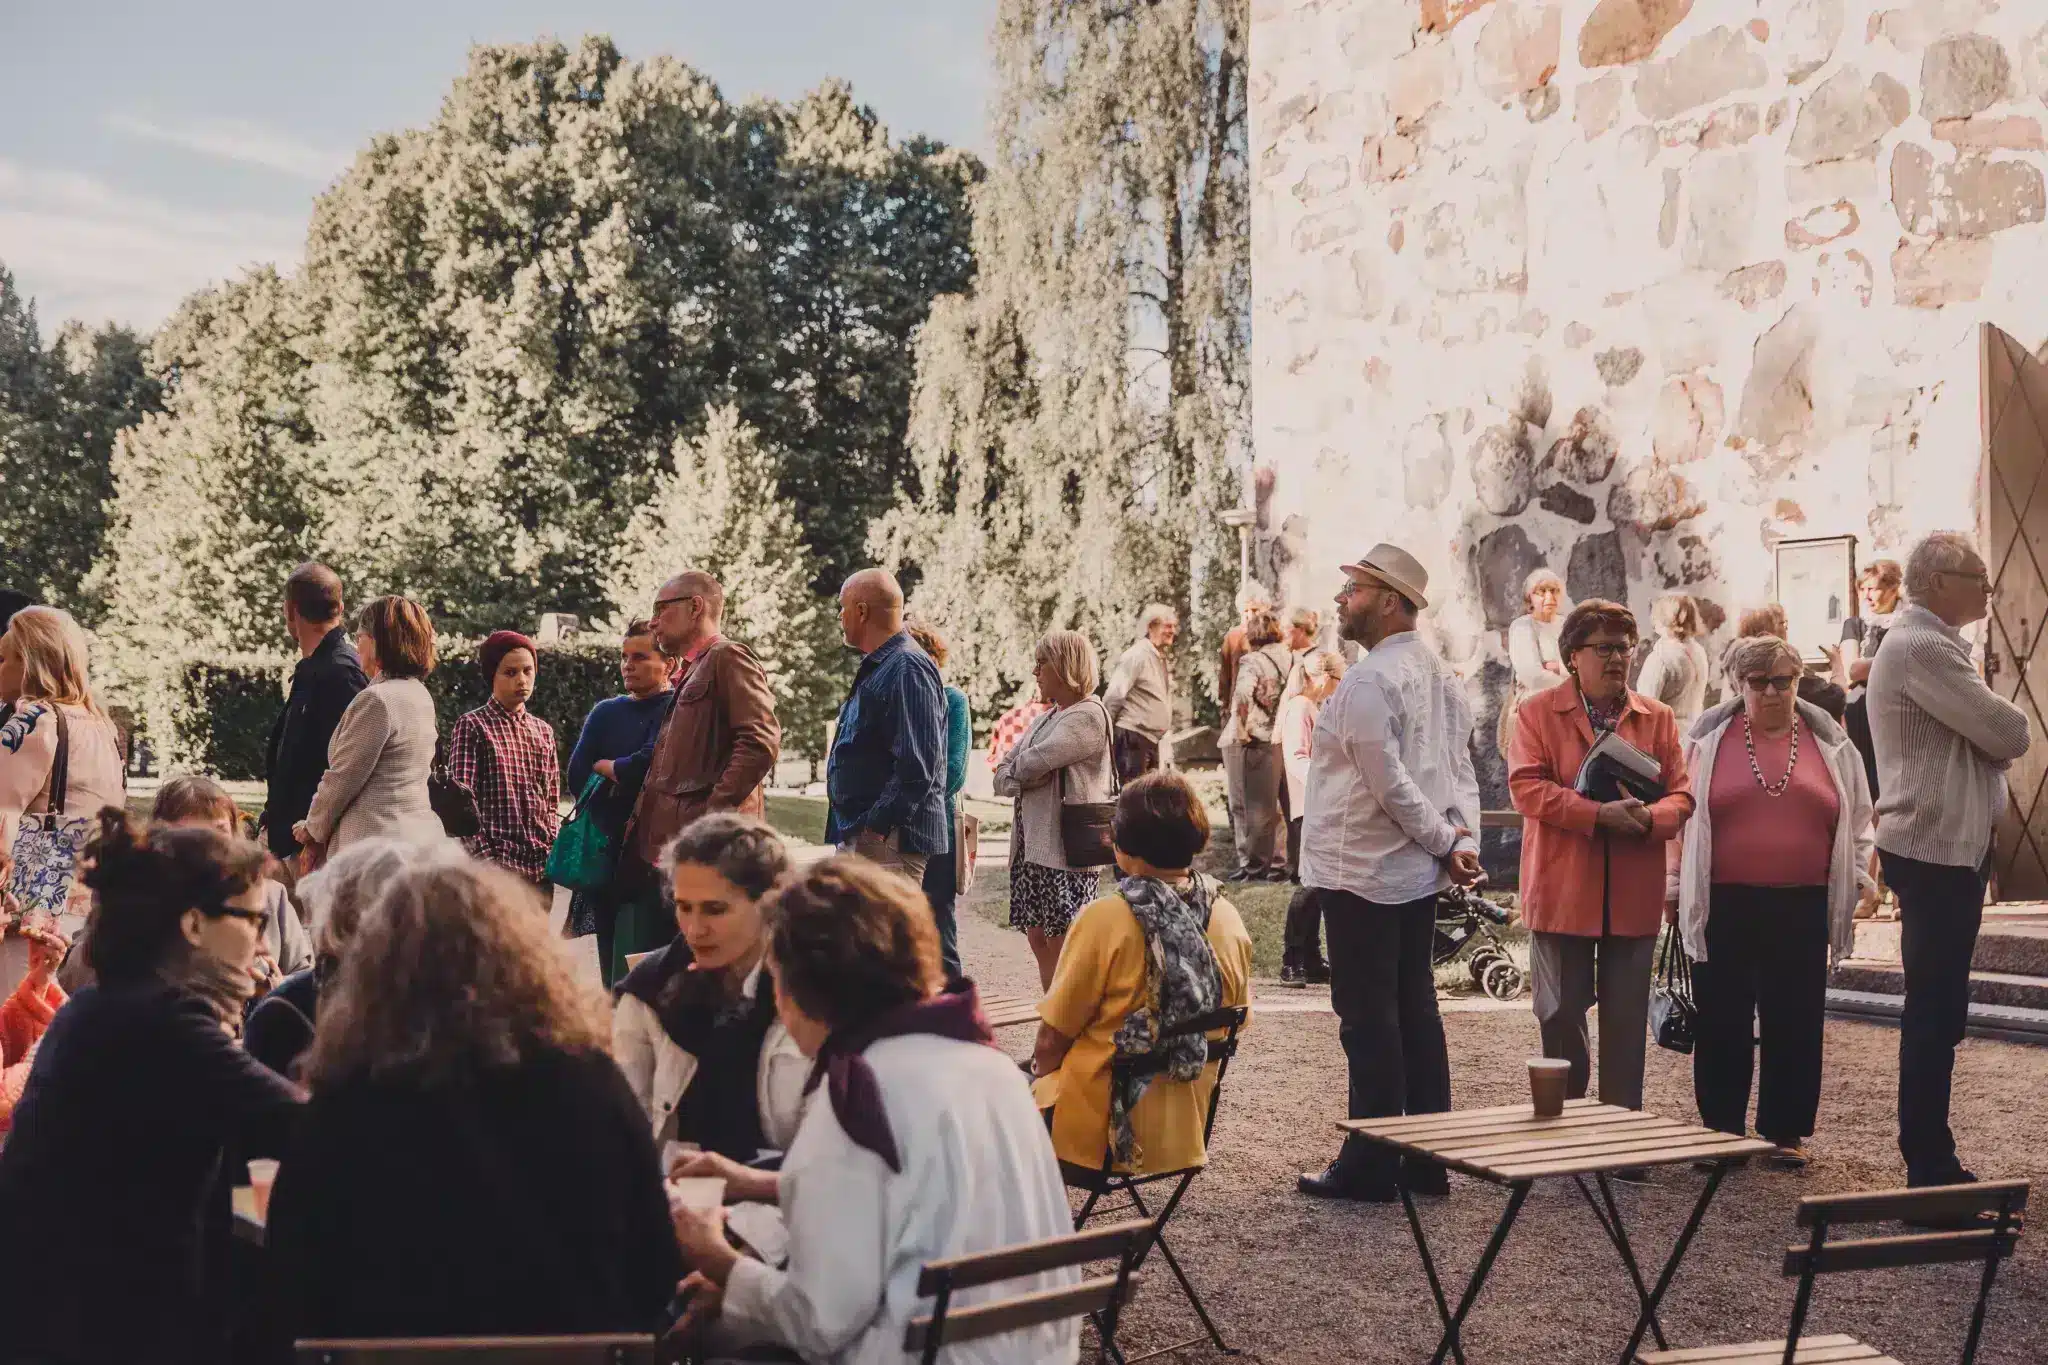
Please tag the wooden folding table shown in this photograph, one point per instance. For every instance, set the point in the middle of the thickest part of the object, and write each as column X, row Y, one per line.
column 1006, row 1011
column 1510, row 1146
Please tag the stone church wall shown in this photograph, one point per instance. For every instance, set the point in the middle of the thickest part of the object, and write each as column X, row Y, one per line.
column 1633, row 288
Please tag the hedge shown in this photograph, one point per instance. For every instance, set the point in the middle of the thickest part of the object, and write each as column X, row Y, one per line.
column 225, row 707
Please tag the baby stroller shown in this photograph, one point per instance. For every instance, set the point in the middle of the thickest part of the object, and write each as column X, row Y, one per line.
column 1465, row 924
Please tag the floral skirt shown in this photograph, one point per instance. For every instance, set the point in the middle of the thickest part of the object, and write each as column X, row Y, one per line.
column 1047, row 898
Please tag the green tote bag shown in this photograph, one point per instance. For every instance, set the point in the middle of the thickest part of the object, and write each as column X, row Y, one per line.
column 584, row 856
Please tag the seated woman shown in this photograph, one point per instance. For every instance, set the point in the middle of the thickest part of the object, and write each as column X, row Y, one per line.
column 280, row 1028
column 1163, row 949
column 695, row 1030
column 138, row 1092
column 190, row 799
column 922, row 1145
column 471, row 1162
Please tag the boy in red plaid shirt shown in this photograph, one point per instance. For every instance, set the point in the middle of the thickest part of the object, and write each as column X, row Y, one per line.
column 506, row 756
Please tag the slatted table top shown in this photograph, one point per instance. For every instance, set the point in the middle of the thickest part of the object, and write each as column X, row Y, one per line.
column 1508, row 1143
column 1817, row 1350
column 1005, row 1011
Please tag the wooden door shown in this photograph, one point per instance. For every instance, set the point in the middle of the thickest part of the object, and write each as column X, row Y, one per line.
column 2014, row 397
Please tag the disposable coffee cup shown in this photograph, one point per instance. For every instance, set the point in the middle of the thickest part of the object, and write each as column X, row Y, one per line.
column 1547, row 1076
column 673, row 1153
column 699, row 1193
column 262, row 1175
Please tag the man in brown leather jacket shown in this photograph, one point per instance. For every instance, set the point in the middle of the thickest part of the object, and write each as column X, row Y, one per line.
column 716, row 748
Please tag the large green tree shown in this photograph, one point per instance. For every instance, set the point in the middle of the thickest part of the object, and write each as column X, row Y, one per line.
column 510, row 319
column 1081, row 414
column 60, row 408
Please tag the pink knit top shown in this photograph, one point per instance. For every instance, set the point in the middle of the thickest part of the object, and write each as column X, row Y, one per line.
column 1765, row 840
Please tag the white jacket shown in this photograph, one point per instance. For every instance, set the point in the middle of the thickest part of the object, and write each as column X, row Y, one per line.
column 1293, row 732
column 659, row 1070
column 1848, row 867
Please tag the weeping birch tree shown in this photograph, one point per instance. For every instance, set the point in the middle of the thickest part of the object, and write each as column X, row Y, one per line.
column 1080, row 415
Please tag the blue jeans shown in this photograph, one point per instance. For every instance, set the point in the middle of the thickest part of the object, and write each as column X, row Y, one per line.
column 942, row 889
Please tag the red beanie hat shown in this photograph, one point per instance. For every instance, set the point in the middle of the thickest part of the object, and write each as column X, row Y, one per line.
column 501, row 643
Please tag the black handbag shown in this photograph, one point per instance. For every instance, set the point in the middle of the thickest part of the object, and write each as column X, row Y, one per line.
column 453, row 803
column 1673, row 1016
column 1086, row 827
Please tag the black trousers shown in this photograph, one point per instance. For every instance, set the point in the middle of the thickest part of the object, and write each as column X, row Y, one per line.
column 1302, row 937
column 1940, row 909
column 1384, row 993
column 1767, row 960
column 1134, row 755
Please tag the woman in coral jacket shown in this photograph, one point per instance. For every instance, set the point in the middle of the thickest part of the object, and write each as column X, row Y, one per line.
column 24, row 1017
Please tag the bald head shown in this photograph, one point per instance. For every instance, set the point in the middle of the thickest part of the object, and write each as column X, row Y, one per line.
column 687, row 611
column 871, row 609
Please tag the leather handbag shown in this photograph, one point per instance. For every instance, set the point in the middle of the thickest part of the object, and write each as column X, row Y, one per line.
column 584, row 856
column 48, row 843
column 1673, row 1017
column 1086, row 838
column 453, row 803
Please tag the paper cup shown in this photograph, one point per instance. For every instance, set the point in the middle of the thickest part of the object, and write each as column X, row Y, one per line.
column 262, row 1175
column 701, row 1193
column 1547, row 1077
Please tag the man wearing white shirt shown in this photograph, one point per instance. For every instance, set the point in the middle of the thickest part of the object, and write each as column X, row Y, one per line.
column 1392, row 803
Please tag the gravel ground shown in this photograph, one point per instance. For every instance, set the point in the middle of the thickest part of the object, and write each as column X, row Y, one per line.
column 1300, row 1281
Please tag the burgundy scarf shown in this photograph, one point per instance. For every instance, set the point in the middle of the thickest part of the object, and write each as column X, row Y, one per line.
column 850, row 1081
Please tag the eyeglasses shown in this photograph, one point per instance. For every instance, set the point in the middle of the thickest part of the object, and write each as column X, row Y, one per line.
column 259, row 918
column 1352, row 587
column 1619, row 650
column 662, row 604
column 1776, row 684
column 1977, row 576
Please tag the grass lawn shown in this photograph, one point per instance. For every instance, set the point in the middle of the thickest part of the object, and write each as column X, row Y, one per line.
column 798, row 817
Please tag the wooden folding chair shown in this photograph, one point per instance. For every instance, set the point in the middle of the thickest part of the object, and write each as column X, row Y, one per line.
column 1107, row 1180
column 572, row 1350
column 1101, row 1297
column 1989, row 1214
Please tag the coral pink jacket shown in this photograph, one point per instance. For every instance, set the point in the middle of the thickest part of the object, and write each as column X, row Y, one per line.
column 1561, row 843
column 23, row 1019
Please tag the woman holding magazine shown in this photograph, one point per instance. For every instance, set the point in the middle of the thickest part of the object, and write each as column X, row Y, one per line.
column 1593, row 867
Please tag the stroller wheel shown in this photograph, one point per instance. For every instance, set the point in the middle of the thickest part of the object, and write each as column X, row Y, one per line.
column 1481, row 960
column 1503, row 980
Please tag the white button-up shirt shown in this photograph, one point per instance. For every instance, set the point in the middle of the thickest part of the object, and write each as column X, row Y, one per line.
column 1390, row 778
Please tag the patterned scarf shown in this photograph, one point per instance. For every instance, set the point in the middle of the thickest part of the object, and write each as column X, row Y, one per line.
column 1181, row 983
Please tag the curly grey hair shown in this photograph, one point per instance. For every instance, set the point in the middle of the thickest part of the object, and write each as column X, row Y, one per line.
column 1941, row 552
column 1155, row 614
column 337, row 895
column 1753, row 655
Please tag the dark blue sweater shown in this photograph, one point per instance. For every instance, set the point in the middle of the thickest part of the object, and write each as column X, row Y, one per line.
column 616, row 728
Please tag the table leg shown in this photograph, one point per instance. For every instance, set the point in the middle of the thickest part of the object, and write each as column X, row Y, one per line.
column 1617, row 1233
column 1453, row 1325
column 1692, row 1227
column 1436, row 1288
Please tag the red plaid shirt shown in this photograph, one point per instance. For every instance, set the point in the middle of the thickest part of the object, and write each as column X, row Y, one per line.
column 1011, row 727
column 510, row 762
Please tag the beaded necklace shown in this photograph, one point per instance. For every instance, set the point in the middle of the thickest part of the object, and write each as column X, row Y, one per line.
column 1791, row 760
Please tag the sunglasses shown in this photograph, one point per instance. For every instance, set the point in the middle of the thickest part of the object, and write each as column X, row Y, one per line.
column 1761, row 684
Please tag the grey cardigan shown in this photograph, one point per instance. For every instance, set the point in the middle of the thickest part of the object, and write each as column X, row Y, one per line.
column 375, row 786
column 1074, row 739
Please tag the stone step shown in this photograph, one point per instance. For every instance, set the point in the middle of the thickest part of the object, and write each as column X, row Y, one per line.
column 2010, row 943
column 2006, row 1023
column 2024, row 991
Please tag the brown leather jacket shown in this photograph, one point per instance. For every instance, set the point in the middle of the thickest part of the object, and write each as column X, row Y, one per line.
column 716, row 750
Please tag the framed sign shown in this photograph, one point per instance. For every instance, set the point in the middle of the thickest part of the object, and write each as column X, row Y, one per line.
column 1817, row 589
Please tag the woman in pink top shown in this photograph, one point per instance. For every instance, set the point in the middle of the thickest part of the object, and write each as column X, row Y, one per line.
column 1766, row 887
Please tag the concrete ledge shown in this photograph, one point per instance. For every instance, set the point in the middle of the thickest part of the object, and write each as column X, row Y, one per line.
column 2002, row 1023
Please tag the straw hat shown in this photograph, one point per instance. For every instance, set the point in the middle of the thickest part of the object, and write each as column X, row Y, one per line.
column 1396, row 568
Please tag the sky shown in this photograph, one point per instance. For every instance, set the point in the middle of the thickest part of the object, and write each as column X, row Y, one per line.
column 147, row 150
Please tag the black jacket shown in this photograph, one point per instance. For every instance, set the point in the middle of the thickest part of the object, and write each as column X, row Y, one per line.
column 117, row 1171
column 323, row 684
column 280, row 1028
column 522, row 1201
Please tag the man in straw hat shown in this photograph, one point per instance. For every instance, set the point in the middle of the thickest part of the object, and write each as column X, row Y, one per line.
column 1392, row 803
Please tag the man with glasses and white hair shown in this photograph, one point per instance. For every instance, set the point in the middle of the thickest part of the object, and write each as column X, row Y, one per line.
column 1140, row 693
column 1944, row 740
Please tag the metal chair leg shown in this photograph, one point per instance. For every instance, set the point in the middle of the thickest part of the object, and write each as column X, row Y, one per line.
column 1692, row 1227
column 1173, row 1263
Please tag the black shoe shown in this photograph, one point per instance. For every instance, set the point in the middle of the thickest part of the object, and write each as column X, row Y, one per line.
column 1425, row 1177
column 1241, row 874
column 1316, row 974
column 1332, row 1182
column 1291, row 975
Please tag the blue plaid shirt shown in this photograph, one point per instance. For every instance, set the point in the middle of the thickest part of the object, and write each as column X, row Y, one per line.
column 887, row 771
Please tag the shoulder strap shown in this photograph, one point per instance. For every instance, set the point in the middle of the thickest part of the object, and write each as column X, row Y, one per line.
column 60, row 768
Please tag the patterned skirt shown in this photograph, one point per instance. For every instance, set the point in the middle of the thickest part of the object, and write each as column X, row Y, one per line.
column 1047, row 898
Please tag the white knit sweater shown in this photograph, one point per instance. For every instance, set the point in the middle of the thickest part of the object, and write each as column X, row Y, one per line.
column 1944, row 740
